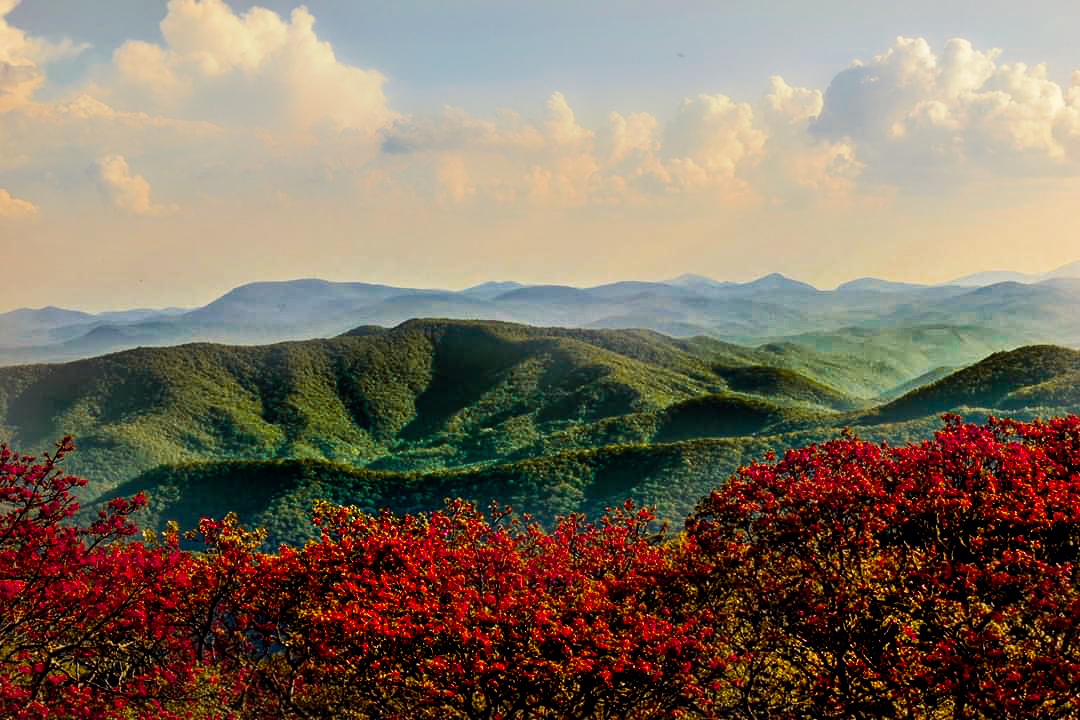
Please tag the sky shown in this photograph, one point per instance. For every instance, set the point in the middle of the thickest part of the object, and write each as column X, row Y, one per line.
column 158, row 154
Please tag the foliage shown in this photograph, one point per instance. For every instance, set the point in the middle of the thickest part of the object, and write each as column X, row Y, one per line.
column 462, row 614
column 88, row 620
column 846, row 580
column 930, row 581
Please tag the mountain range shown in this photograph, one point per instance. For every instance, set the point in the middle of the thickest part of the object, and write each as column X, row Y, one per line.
column 771, row 308
column 1071, row 270
column 550, row 420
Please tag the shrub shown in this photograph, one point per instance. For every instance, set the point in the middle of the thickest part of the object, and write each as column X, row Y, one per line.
column 930, row 581
column 87, row 620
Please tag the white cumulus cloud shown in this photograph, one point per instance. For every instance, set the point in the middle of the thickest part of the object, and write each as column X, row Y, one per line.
column 562, row 126
column 254, row 68
column 633, row 135
column 793, row 105
column 911, row 108
column 128, row 191
column 709, row 139
column 22, row 58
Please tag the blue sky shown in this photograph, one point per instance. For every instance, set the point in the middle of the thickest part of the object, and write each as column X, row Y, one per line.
column 161, row 153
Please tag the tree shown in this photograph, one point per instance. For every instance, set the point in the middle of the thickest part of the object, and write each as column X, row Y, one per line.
column 87, row 622
column 930, row 581
column 469, row 615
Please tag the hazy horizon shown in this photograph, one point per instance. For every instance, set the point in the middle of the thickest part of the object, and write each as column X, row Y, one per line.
column 158, row 154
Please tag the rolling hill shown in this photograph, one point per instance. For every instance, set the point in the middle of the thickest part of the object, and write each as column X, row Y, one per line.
column 548, row 419
column 1033, row 376
column 424, row 395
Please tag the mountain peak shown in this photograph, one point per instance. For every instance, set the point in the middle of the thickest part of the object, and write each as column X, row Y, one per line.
column 777, row 281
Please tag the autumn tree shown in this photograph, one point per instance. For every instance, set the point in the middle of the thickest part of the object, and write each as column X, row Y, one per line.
column 470, row 615
column 931, row 581
column 87, row 623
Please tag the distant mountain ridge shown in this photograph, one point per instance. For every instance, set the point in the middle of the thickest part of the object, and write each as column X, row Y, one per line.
column 1070, row 270
column 769, row 307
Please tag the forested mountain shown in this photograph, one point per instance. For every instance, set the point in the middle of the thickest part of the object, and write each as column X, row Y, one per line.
column 550, row 420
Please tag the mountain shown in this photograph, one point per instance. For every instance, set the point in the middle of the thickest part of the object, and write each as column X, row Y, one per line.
column 777, row 381
column 665, row 457
column 777, row 283
column 900, row 353
column 926, row 378
column 993, row 277
column 877, row 285
column 26, row 326
column 287, row 303
column 423, row 396
column 549, row 419
column 1031, row 313
column 491, row 290
column 1026, row 377
column 770, row 307
column 1070, row 270
column 278, row 494
column 420, row 394
column 697, row 282
column 42, row 317
column 545, row 294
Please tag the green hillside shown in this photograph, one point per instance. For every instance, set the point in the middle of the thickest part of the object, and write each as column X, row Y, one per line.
column 926, row 378
column 782, row 382
column 278, row 494
column 1031, row 376
column 422, row 396
column 548, row 420
column 671, row 477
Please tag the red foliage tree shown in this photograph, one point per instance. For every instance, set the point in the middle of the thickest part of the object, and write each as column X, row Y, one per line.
column 87, row 622
column 468, row 615
column 930, row 581
column 847, row 580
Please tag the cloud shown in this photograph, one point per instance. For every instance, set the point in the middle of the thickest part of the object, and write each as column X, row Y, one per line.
column 13, row 208
column 793, row 106
column 252, row 69
column 88, row 109
column 454, row 129
column 829, row 169
column 21, row 58
column 562, row 127
column 912, row 110
column 20, row 75
column 797, row 167
column 128, row 191
column 559, row 162
column 633, row 136
column 708, row 140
